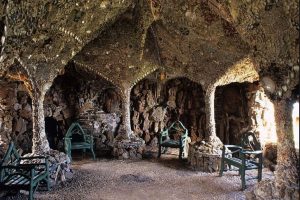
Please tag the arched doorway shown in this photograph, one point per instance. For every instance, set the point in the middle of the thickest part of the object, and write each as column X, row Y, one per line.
column 241, row 107
column 156, row 105
column 79, row 95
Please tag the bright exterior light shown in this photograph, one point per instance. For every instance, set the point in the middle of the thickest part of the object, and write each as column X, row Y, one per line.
column 295, row 117
column 266, row 120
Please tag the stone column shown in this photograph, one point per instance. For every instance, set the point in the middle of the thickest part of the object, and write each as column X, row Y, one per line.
column 286, row 174
column 39, row 138
column 126, row 125
column 210, row 112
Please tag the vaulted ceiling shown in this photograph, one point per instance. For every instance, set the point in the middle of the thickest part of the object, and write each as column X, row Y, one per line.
column 209, row 41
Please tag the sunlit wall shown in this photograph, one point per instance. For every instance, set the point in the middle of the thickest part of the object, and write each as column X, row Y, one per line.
column 295, row 116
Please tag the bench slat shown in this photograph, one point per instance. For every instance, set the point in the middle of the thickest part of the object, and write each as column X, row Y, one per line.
column 13, row 179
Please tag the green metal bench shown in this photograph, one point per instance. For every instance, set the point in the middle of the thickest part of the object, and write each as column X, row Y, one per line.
column 77, row 138
column 17, row 176
column 165, row 141
column 245, row 157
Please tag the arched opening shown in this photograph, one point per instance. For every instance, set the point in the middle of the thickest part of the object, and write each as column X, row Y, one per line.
column 244, row 106
column 157, row 105
column 80, row 96
column 15, row 116
column 295, row 116
column 231, row 112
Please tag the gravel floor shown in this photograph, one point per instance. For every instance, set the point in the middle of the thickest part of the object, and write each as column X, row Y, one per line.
column 166, row 178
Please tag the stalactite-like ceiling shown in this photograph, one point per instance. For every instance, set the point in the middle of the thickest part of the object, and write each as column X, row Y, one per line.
column 123, row 41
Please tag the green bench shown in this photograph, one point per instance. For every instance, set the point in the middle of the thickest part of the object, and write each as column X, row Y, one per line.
column 247, row 156
column 16, row 175
column 165, row 138
column 77, row 138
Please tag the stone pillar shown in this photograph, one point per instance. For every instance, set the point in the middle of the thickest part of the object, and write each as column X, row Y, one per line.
column 286, row 174
column 126, row 125
column 39, row 138
column 210, row 112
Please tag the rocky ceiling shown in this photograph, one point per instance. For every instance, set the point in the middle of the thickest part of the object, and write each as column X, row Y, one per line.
column 208, row 41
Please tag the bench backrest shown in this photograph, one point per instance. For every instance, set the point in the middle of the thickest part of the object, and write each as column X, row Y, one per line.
column 75, row 130
column 250, row 142
column 177, row 128
column 11, row 157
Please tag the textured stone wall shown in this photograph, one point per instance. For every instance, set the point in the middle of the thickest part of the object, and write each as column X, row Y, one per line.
column 231, row 108
column 15, row 116
column 242, row 107
column 156, row 105
column 79, row 96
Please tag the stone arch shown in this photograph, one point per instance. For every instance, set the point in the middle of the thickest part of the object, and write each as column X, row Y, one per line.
column 82, row 95
column 189, row 104
column 240, row 107
column 154, row 109
column 18, row 71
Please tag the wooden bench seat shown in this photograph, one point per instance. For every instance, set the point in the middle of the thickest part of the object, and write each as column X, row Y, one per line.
column 15, row 175
column 171, row 143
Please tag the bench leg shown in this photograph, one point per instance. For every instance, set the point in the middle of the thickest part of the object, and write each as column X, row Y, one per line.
column 222, row 167
column 94, row 157
column 243, row 178
column 83, row 153
column 30, row 197
column 259, row 174
column 159, row 151
column 48, row 182
column 180, row 153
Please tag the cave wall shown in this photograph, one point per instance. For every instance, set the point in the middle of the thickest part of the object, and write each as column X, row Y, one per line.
column 155, row 105
column 244, row 106
column 79, row 96
column 231, row 112
column 15, row 116
column 241, row 107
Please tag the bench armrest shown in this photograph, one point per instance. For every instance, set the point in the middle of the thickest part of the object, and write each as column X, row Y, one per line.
column 233, row 146
column 252, row 152
column 162, row 134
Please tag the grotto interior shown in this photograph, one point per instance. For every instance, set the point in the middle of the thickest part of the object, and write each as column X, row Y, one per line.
column 126, row 70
